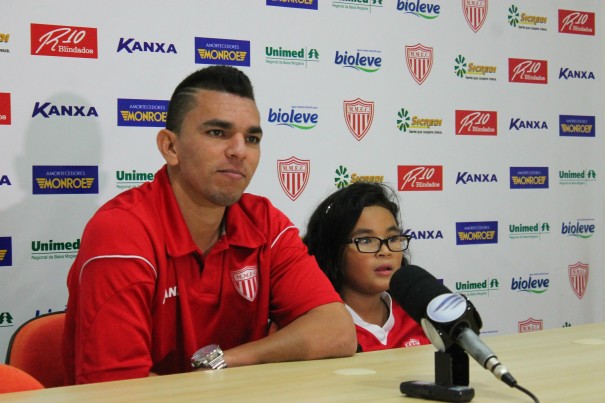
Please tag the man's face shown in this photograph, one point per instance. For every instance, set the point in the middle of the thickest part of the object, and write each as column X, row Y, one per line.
column 218, row 149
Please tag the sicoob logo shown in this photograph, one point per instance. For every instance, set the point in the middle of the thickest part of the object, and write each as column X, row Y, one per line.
column 64, row 41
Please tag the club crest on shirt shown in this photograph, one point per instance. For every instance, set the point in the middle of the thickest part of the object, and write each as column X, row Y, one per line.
column 245, row 282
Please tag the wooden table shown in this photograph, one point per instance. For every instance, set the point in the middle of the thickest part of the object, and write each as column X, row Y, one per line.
column 558, row 365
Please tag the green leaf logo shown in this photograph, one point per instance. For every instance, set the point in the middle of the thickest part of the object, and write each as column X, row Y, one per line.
column 460, row 68
column 513, row 16
column 403, row 123
column 342, row 177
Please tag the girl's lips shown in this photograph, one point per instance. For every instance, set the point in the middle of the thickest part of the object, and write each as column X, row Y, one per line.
column 384, row 270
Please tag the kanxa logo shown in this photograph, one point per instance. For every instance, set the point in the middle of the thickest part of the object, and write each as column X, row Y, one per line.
column 64, row 41
column 576, row 22
column 48, row 110
column 131, row 45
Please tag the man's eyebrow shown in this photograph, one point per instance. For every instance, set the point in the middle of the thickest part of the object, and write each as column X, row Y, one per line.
column 223, row 124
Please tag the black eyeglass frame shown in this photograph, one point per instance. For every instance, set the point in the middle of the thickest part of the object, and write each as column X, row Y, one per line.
column 384, row 241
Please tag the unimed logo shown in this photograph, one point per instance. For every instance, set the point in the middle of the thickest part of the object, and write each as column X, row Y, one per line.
column 63, row 41
column 576, row 22
column 6, row 251
column 527, row 71
column 476, row 123
column 306, row 4
column 5, row 108
column 142, row 112
column 65, row 179
column 222, row 51
column 420, row 177
column 471, row 233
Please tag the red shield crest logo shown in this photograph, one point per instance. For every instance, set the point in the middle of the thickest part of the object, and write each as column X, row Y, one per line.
column 245, row 282
column 530, row 325
column 578, row 278
column 419, row 59
column 293, row 176
column 358, row 115
column 475, row 12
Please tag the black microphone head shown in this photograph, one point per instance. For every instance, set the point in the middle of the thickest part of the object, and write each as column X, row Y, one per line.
column 413, row 288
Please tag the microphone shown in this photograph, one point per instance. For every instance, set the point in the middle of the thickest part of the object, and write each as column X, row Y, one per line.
column 446, row 318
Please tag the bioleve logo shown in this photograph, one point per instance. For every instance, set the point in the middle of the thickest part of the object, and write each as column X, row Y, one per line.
column 5, row 108
column 473, row 233
column 576, row 126
column 529, row 177
column 142, row 112
column 527, row 71
column 296, row 117
column 367, row 61
column 536, row 283
column 305, row 4
column 583, row 228
column 293, row 174
column 230, row 52
column 64, row 41
column 475, row 13
column 420, row 178
column 419, row 59
column 477, row 123
column 576, row 22
column 6, row 251
column 424, row 9
column 65, row 179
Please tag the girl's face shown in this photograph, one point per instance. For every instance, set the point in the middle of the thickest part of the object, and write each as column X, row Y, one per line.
column 370, row 273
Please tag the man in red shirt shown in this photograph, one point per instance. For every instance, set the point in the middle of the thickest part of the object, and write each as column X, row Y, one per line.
column 170, row 271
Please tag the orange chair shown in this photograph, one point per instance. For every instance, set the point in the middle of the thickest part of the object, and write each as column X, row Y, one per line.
column 12, row 379
column 35, row 348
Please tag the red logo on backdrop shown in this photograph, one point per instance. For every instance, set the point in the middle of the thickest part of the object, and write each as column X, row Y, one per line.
column 475, row 12
column 246, row 282
column 576, row 22
column 419, row 177
column 531, row 325
column 578, row 278
column 528, row 71
column 293, row 176
column 64, row 41
column 477, row 123
column 358, row 115
column 5, row 108
column 419, row 59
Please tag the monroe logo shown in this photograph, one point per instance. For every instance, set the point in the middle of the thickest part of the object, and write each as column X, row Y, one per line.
column 471, row 233
column 222, row 51
column 576, row 22
column 566, row 73
column 293, row 118
column 130, row 45
column 65, row 179
column 293, row 175
column 518, row 124
column 576, row 126
column 6, row 251
column 465, row 177
column 476, row 123
column 307, row 4
column 527, row 71
column 419, row 59
column 63, row 41
column 578, row 278
column 47, row 110
column 583, row 228
column 419, row 177
column 531, row 325
column 142, row 112
column 5, row 108
column 245, row 282
column 367, row 64
column 475, row 12
column 424, row 10
column 358, row 116
column 529, row 178
column 424, row 234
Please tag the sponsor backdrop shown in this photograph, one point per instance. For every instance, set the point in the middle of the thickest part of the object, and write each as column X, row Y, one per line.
column 485, row 116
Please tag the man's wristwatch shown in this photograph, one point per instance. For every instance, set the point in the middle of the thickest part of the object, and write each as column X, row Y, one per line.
column 210, row 357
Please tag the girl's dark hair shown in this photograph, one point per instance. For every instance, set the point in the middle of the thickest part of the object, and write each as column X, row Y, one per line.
column 332, row 222
column 214, row 78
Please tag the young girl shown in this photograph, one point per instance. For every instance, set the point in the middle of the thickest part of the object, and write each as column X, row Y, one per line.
column 356, row 237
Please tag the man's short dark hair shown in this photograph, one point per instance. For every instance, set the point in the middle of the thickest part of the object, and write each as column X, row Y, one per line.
column 214, row 78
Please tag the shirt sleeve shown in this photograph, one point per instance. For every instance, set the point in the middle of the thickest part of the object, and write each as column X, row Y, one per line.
column 112, row 285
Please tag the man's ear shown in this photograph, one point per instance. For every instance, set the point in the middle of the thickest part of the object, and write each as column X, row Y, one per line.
column 166, row 141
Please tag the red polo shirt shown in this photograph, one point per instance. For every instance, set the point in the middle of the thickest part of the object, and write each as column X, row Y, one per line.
column 143, row 298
